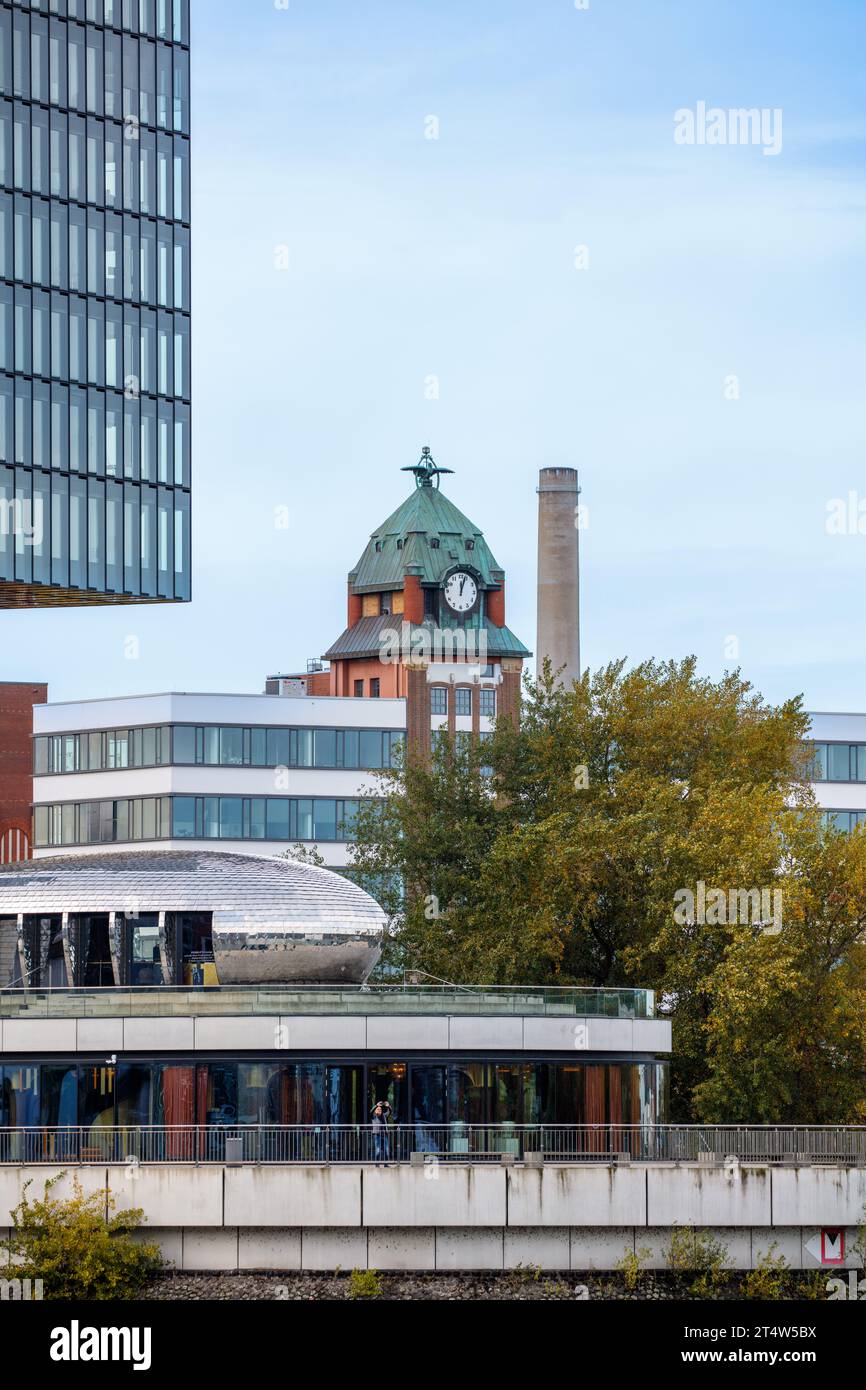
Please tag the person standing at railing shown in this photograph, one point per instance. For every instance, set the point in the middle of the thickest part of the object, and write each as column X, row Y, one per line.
column 381, row 1117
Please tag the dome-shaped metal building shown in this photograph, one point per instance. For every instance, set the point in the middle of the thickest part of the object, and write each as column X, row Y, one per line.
column 183, row 917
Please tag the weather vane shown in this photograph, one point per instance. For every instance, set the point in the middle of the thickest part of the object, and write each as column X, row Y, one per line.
column 426, row 470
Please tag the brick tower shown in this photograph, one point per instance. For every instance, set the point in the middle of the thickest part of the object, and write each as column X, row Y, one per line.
column 426, row 619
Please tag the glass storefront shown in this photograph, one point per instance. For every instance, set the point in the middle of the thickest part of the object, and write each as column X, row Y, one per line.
column 262, row 1091
column 193, row 947
column 130, row 953
column 90, row 943
column 145, row 959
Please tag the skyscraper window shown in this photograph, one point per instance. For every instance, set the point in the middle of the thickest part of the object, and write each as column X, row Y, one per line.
column 94, row 302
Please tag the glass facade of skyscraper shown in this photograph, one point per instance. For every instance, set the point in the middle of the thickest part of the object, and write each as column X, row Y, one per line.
column 94, row 301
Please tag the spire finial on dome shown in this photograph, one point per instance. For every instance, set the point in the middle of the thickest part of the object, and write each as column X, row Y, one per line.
column 426, row 470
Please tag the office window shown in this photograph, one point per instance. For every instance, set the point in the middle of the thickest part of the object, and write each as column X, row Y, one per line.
column 278, row 748
column 359, row 689
column 462, row 700
column 231, row 818
column 94, row 164
column 374, row 687
column 370, row 748
column 324, row 819
column 487, row 704
column 231, row 747
column 438, row 699
column 259, row 747
column 184, row 744
column 351, row 748
column 183, row 817
column 839, row 762
column 258, row 828
column 325, row 748
column 277, row 814
column 845, row 821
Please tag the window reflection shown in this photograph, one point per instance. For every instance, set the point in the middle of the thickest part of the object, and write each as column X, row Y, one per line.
column 78, row 152
column 388, row 1081
column 270, row 1091
column 145, row 965
column 211, row 745
column 96, row 1096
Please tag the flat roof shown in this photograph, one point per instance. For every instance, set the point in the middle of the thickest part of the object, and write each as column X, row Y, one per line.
column 214, row 695
column 836, row 713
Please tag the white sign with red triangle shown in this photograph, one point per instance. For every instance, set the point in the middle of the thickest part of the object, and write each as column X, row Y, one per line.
column 827, row 1247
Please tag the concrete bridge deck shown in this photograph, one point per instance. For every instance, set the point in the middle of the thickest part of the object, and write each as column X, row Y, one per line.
column 467, row 1216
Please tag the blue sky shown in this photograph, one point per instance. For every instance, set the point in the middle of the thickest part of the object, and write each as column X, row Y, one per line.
column 410, row 258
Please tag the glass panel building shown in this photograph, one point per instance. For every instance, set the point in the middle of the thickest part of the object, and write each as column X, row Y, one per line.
column 261, row 967
column 94, row 302
column 836, row 753
column 259, row 772
column 213, row 745
column 337, row 1090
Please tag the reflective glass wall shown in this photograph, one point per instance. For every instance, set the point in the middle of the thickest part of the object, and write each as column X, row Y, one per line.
column 210, row 745
column 839, row 762
column 293, row 819
column 94, row 301
column 269, row 1090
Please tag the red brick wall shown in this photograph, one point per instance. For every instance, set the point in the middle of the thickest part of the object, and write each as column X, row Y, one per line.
column 413, row 599
column 16, row 753
column 509, row 690
column 318, row 683
column 496, row 605
column 417, row 711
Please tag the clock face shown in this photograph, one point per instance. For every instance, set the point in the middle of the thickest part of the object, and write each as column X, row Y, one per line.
column 461, row 591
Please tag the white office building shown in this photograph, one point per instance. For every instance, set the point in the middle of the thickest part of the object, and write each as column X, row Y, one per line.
column 840, row 780
column 255, row 772
column 265, row 772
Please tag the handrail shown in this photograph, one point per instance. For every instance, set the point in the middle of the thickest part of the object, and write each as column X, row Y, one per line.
column 542, row 1000
column 458, row 1141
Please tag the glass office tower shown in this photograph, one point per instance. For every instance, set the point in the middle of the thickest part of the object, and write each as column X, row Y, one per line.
column 94, row 302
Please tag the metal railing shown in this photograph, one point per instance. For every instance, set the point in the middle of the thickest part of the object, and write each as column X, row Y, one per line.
column 134, row 1144
column 162, row 1001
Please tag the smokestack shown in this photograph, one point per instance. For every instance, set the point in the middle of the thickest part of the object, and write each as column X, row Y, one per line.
column 558, row 583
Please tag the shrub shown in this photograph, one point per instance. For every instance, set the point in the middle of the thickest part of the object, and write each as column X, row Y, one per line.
column 813, row 1286
column 858, row 1245
column 365, row 1283
column 769, row 1279
column 630, row 1265
column 76, row 1249
column 698, row 1253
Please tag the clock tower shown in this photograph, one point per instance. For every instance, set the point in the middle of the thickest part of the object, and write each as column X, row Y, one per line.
column 426, row 619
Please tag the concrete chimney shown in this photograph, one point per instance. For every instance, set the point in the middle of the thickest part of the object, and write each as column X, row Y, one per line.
column 558, row 584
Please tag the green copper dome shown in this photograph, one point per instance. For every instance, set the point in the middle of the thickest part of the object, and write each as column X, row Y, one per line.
column 402, row 544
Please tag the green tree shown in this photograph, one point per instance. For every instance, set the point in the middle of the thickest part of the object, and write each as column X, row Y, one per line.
column 566, row 866
column 787, row 1032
